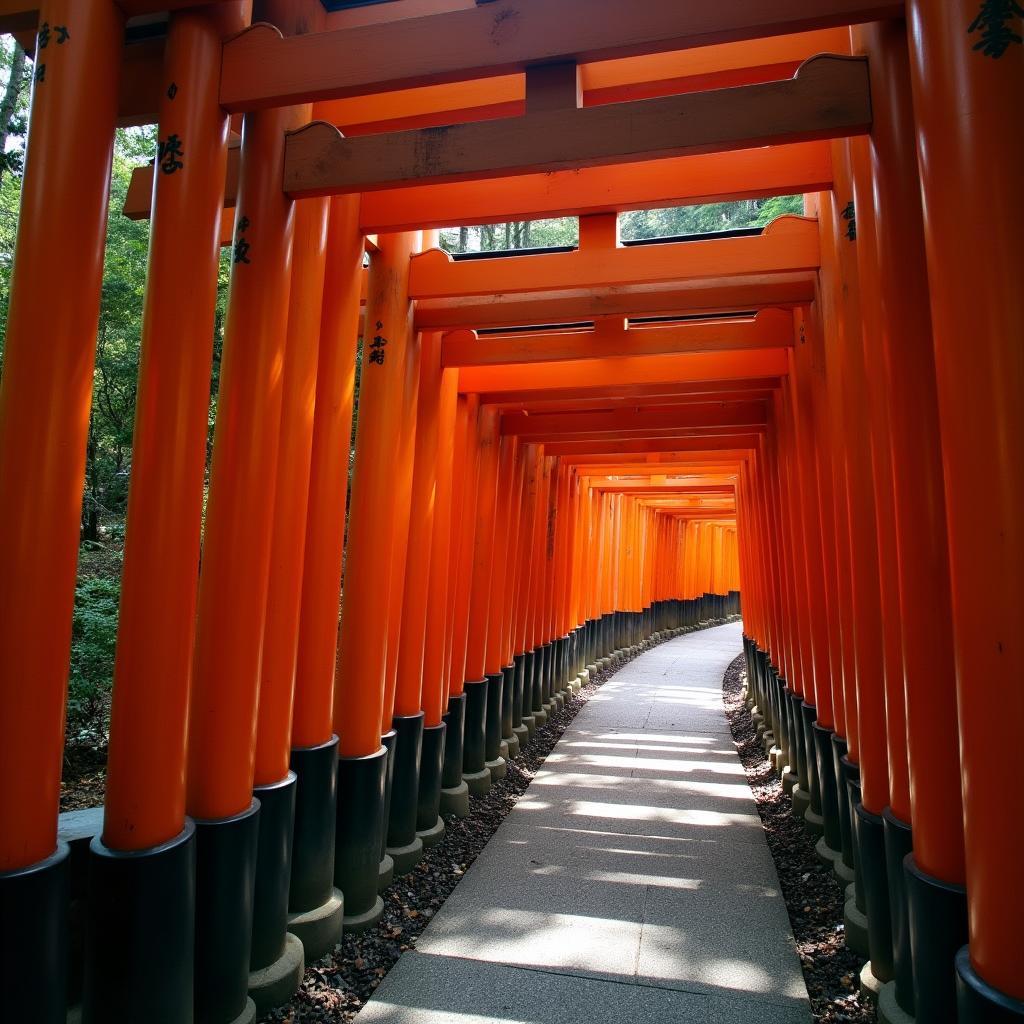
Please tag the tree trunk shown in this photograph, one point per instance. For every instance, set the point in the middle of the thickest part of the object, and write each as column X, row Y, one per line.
column 90, row 506
column 463, row 239
column 9, row 103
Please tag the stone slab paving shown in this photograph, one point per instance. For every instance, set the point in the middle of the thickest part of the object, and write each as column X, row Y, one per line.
column 631, row 882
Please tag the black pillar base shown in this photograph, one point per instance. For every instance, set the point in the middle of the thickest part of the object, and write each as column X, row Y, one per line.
column 809, row 715
column 276, row 961
column 139, row 902
column 851, row 775
column 316, row 794
column 839, row 748
column 492, row 725
column 315, row 907
column 226, row 852
column 454, row 792
column 978, row 1002
column 871, row 863
column 386, row 868
column 34, row 939
column 429, row 823
column 827, row 784
column 139, row 954
column 899, row 843
column 537, row 688
column 403, row 845
column 937, row 913
column 360, row 832
column 508, row 685
column 527, row 719
column 273, row 871
column 518, row 683
column 475, row 772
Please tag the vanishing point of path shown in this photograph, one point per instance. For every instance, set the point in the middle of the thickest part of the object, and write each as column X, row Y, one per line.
column 631, row 883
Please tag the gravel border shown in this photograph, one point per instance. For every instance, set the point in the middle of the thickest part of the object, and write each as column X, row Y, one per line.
column 335, row 989
column 813, row 897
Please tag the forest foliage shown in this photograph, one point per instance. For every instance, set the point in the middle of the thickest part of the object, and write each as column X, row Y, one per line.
column 109, row 449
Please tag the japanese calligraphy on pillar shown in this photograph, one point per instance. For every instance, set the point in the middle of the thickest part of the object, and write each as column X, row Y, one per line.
column 377, row 346
column 994, row 24
column 57, row 34
column 242, row 246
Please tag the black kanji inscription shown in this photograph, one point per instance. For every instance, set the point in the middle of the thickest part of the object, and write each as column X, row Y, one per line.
column 169, row 153
column 994, row 23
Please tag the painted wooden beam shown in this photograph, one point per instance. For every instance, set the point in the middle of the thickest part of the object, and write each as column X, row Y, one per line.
column 770, row 328
column 649, row 489
column 737, row 443
column 18, row 16
column 829, row 97
column 651, row 421
column 788, row 244
column 262, row 69
column 677, row 181
column 696, row 366
column 534, row 405
column 666, row 393
column 716, row 295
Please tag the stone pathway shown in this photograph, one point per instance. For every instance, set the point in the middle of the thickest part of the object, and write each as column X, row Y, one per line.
column 630, row 884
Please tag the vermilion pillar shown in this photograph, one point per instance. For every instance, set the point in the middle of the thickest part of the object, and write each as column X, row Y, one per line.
column 312, row 724
column 44, row 421
column 402, row 489
column 870, row 695
column 430, row 825
column 145, row 796
column 235, row 569
column 523, row 694
column 870, row 795
column 281, row 636
column 476, row 773
column 455, row 792
column 967, row 61
column 362, row 655
column 315, row 905
column 404, row 845
column 494, row 661
column 276, row 951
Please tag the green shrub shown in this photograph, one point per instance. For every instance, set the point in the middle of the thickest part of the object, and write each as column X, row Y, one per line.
column 93, row 637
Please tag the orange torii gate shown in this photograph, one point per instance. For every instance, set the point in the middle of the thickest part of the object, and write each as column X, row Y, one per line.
column 840, row 395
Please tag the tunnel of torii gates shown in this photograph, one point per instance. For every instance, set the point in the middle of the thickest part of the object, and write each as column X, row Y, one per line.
column 559, row 455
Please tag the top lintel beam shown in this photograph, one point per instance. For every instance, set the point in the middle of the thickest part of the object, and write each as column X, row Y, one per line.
column 263, row 69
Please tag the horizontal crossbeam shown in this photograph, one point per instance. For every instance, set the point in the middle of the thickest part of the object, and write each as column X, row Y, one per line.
column 789, row 244
column 718, row 295
column 829, row 97
column 770, row 328
column 263, row 69
column 733, row 446
column 654, row 421
column 695, row 366
column 670, row 393
column 679, row 181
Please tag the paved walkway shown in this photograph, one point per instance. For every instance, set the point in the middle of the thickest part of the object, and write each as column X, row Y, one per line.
column 630, row 884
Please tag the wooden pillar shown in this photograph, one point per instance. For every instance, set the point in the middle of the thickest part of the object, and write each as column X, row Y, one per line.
column 365, row 621
column 45, row 397
column 314, row 904
column 476, row 773
column 312, row 724
column 145, row 795
column 967, row 64
column 365, row 618
column 281, row 633
column 407, row 645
